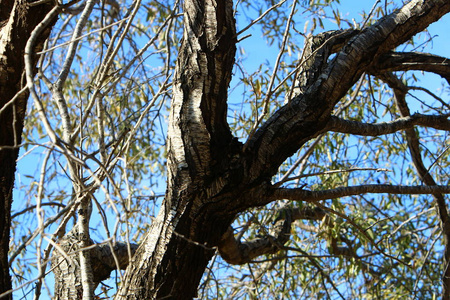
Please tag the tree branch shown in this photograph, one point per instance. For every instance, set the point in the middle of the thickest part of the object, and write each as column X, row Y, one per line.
column 305, row 116
column 412, row 139
column 405, row 61
column 237, row 252
column 300, row 194
column 106, row 258
column 439, row 122
column 57, row 88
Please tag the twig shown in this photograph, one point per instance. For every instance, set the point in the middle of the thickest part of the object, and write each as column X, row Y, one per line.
column 261, row 16
column 29, row 70
column 265, row 102
column 331, row 172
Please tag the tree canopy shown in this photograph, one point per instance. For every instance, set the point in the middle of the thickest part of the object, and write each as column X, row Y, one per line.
column 253, row 149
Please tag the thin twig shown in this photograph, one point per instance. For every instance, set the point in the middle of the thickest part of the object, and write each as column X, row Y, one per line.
column 260, row 17
column 269, row 93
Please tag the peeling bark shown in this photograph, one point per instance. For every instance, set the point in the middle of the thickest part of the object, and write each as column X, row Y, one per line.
column 305, row 116
column 404, row 61
column 211, row 176
column 375, row 129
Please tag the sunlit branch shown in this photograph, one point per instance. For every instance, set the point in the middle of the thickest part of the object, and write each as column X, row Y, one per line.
column 82, row 36
column 57, row 88
column 279, row 183
column 404, row 61
column 108, row 257
column 265, row 102
column 29, row 51
column 102, row 75
column 261, row 17
column 40, row 214
column 300, row 194
column 440, row 122
column 109, row 57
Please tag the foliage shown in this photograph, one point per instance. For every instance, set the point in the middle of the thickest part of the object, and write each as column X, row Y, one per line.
column 118, row 94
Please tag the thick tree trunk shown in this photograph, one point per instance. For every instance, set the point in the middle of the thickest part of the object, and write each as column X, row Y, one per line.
column 210, row 176
column 17, row 21
column 173, row 257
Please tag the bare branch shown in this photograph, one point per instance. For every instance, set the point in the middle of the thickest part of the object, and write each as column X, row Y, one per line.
column 29, row 51
column 261, row 17
column 413, row 144
column 404, row 61
column 235, row 251
column 104, row 67
column 299, row 194
column 440, row 122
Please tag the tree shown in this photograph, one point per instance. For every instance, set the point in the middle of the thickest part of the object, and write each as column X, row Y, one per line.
column 276, row 190
column 16, row 20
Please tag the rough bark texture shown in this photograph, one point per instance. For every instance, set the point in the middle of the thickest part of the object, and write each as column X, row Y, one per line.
column 234, row 251
column 105, row 258
column 305, row 116
column 17, row 21
column 173, row 257
column 211, row 177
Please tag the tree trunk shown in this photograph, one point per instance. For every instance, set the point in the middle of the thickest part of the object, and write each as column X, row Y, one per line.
column 17, row 21
column 173, row 257
column 211, row 176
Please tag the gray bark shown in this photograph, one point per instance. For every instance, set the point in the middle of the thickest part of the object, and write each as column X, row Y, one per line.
column 67, row 266
column 211, row 177
column 173, row 257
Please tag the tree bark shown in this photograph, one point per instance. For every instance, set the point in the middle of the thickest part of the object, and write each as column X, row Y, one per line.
column 104, row 259
column 305, row 116
column 211, row 177
column 17, row 21
column 173, row 257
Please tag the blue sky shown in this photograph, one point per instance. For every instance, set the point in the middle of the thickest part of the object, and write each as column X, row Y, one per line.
column 257, row 51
